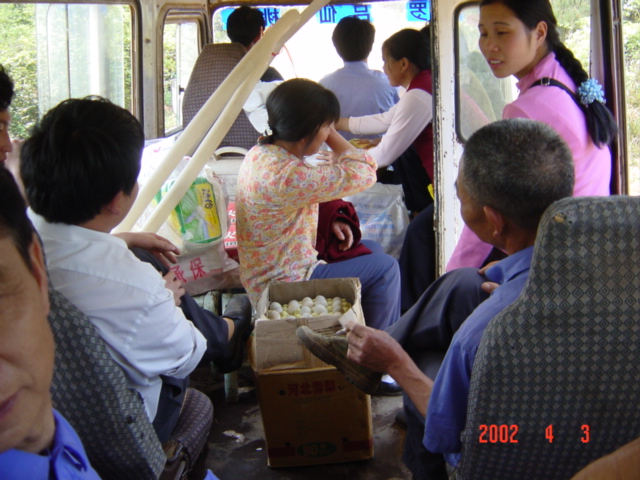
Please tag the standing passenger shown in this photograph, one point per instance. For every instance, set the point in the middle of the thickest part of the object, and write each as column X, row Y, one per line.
column 278, row 197
column 522, row 39
column 360, row 90
column 408, row 141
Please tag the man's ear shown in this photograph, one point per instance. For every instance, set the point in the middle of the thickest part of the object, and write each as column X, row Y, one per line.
column 114, row 207
column 39, row 269
column 496, row 219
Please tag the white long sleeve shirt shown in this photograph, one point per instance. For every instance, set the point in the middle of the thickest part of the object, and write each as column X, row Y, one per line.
column 126, row 299
column 402, row 124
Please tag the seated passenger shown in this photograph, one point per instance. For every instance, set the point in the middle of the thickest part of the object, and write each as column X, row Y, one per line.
column 35, row 440
column 278, row 196
column 246, row 25
column 360, row 90
column 408, row 139
column 510, row 172
column 80, row 169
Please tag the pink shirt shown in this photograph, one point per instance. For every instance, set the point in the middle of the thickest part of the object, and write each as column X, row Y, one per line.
column 554, row 107
column 277, row 211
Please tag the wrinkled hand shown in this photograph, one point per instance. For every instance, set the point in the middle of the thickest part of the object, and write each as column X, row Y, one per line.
column 371, row 348
column 488, row 286
column 177, row 288
column 158, row 246
column 343, row 232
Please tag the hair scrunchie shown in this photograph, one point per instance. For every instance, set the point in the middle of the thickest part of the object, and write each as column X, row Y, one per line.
column 590, row 91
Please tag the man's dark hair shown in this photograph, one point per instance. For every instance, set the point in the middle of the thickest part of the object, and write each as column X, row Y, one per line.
column 353, row 38
column 244, row 24
column 79, row 157
column 6, row 89
column 14, row 222
column 519, row 167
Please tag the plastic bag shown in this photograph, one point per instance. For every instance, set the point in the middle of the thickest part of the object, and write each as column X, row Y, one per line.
column 383, row 216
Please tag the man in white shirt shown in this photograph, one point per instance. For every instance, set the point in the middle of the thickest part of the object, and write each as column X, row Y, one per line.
column 80, row 169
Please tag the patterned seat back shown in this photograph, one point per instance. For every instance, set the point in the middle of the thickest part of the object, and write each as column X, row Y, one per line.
column 214, row 63
column 559, row 370
column 91, row 391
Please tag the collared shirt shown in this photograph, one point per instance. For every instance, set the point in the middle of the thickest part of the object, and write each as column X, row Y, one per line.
column 128, row 303
column 447, row 410
column 65, row 460
column 360, row 91
column 556, row 108
column 277, row 211
column 403, row 123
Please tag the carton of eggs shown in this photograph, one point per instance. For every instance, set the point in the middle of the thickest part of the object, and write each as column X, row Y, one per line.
column 307, row 307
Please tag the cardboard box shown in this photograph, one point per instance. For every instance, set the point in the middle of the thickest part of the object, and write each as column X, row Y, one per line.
column 277, row 345
column 311, row 413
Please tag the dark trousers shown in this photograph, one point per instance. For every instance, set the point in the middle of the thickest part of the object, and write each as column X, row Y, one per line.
column 425, row 332
column 212, row 327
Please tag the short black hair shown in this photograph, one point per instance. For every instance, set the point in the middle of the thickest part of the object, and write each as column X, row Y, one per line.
column 353, row 38
column 14, row 222
column 6, row 89
column 244, row 24
column 299, row 108
column 411, row 44
column 519, row 167
column 79, row 157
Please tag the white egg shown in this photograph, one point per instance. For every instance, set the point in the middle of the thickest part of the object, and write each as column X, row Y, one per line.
column 320, row 309
column 305, row 310
column 306, row 302
column 293, row 306
column 320, row 300
column 275, row 306
column 273, row 315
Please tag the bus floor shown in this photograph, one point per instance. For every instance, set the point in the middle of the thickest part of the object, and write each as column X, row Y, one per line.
column 236, row 446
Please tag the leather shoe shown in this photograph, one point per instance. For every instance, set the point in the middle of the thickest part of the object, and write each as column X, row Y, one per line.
column 239, row 310
column 333, row 350
column 388, row 387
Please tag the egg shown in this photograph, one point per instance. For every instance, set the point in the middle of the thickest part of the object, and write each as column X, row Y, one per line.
column 320, row 309
column 305, row 310
column 306, row 302
column 320, row 300
column 273, row 315
column 293, row 306
column 275, row 306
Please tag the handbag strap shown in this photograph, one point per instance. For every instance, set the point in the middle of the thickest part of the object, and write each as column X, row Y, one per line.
column 546, row 81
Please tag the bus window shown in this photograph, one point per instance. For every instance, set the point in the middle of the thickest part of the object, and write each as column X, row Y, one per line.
column 631, row 31
column 58, row 51
column 180, row 49
column 480, row 96
column 310, row 52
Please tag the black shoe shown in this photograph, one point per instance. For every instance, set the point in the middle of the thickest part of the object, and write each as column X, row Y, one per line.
column 388, row 387
column 333, row 350
column 239, row 310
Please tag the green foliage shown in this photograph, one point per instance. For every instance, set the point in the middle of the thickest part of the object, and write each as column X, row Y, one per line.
column 17, row 44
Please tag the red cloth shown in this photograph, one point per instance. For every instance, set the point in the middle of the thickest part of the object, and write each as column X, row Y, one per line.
column 424, row 142
column 327, row 244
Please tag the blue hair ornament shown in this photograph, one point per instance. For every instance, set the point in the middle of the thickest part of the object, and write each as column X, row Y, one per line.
column 590, row 91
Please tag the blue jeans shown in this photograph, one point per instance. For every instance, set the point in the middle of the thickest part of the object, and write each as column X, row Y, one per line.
column 379, row 275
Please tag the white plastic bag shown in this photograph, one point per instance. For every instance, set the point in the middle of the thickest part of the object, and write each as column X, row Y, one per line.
column 383, row 216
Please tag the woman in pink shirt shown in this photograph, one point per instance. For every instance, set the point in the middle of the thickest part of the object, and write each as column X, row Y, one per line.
column 278, row 196
column 521, row 39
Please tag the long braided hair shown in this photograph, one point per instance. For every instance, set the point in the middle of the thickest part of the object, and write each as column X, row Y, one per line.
column 600, row 123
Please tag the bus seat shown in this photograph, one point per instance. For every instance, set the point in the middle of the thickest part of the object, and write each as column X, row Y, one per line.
column 91, row 391
column 215, row 62
column 557, row 371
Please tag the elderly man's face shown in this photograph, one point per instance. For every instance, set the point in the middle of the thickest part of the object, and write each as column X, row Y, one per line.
column 26, row 351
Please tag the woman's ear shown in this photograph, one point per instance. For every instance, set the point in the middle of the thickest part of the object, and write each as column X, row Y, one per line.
column 541, row 33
